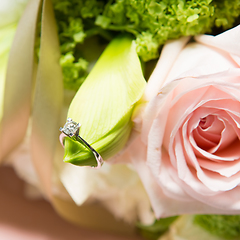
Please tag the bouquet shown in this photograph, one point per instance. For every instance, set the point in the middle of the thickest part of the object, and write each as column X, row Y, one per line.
column 146, row 95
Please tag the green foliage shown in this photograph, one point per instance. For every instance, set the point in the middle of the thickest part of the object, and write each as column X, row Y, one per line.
column 74, row 73
column 152, row 232
column 225, row 226
column 151, row 22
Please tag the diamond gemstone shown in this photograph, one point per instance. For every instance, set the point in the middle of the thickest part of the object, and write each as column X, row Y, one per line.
column 70, row 128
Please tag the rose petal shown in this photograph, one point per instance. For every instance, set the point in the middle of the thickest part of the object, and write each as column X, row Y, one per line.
column 190, row 177
column 157, row 108
column 236, row 59
column 167, row 206
column 226, row 169
column 212, row 133
column 217, row 182
column 208, row 61
column 228, row 135
column 204, row 142
column 214, row 182
column 225, row 201
column 229, row 154
column 162, row 205
column 227, row 41
column 168, row 56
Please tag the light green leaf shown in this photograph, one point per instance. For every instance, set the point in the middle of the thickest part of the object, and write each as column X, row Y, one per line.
column 104, row 103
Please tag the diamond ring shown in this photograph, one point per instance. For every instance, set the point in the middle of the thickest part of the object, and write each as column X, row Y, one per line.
column 71, row 130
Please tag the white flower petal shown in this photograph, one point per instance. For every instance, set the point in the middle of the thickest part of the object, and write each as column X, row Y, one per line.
column 11, row 11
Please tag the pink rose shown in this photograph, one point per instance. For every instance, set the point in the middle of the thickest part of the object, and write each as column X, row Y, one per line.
column 187, row 149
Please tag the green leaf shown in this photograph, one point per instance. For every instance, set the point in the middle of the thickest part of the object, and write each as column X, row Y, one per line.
column 154, row 231
column 225, row 226
column 104, row 103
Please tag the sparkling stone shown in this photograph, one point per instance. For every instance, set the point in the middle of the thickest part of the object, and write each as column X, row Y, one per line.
column 70, row 127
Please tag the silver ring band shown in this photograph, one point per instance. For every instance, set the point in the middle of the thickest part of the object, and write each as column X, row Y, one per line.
column 71, row 130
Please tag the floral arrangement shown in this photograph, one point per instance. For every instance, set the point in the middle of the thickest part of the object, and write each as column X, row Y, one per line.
column 155, row 87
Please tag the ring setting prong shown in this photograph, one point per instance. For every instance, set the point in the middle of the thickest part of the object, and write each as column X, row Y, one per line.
column 71, row 130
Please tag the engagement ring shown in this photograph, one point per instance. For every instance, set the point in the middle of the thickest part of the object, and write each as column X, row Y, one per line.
column 71, row 130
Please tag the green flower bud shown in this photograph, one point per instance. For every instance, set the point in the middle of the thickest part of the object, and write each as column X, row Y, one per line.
column 104, row 103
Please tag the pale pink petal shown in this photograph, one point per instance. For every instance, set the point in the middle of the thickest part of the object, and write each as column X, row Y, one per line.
column 190, row 177
column 236, row 120
column 221, row 133
column 123, row 156
column 163, row 205
column 158, row 108
column 166, row 181
column 169, row 53
column 226, row 169
column 228, row 135
column 228, row 103
column 227, row 41
column 227, row 202
column 189, row 153
column 138, row 156
column 183, row 105
column 211, row 133
column 193, row 130
column 226, row 78
column 203, row 142
column 229, row 154
column 230, row 112
column 179, row 111
column 236, row 59
column 180, row 156
column 201, row 176
column 208, row 61
column 216, row 182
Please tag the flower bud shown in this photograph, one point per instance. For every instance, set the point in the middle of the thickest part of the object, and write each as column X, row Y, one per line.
column 104, row 103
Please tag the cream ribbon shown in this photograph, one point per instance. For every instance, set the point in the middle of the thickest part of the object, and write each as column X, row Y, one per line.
column 42, row 100
column 19, row 82
column 48, row 100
